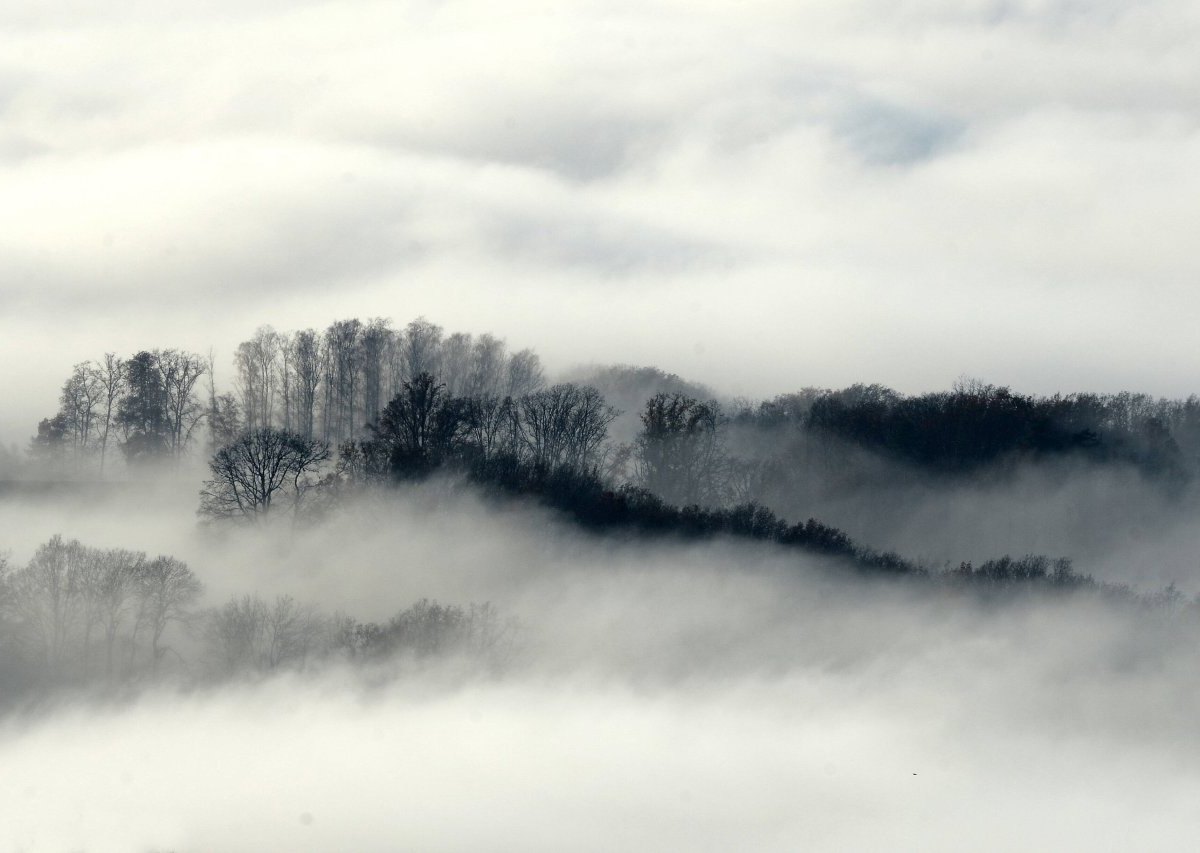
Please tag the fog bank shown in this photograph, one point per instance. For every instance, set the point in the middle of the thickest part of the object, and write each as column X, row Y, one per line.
column 664, row 695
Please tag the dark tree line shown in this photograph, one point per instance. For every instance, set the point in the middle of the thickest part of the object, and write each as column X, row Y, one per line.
column 425, row 427
column 551, row 446
column 976, row 425
column 422, row 430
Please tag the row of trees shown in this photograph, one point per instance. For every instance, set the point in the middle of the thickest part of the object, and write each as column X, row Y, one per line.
column 332, row 384
column 335, row 386
column 426, row 426
column 147, row 405
column 76, row 615
column 321, row 385
column 250, row 635
column 80, row 613
column 976, row 425
column 550, row 445
column 423, row 429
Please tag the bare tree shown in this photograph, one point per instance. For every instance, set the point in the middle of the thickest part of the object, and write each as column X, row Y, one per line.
column 249, row 475
column 491, row 425
column 287, row 382
column 373, row 348
column 343, row 377
column 80, row 398
column 257, row 366
column 166, row 587
column 328, row 386
column 422, row 348
column 49, row 598
column 588, row 428
column 488, row 367
column 455, row 364
column 291, row 632
column 564, row 425
column 179, row 372
column 113, row 593
column 248, row 634
column 679, row 454
column 306, row 361
column 524, row 374
column 110, row 373
column 235, row 632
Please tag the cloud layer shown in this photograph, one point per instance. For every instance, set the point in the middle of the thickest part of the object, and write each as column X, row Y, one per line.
column 762, row 196
column 667, row 696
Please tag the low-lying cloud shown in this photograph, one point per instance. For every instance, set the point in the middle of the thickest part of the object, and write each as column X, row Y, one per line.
column 663, row 695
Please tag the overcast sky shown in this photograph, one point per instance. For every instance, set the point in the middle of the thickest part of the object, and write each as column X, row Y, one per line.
column 759, row 195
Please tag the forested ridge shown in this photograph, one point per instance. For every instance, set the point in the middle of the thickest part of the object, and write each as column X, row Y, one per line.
column 314, row 421
column 334, row 384
column 309, row 414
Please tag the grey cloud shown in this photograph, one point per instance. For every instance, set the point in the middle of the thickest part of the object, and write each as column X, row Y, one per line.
column 886, row 135
column 567, row 143
column 610, row 248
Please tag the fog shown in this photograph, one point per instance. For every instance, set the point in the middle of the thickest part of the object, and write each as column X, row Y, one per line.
column 663, row 694
column 745, row 199
column 807, row 761
column 1112, row 521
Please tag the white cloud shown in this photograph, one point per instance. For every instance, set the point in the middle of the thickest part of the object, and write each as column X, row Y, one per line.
column 704, row 696
column 851, row 180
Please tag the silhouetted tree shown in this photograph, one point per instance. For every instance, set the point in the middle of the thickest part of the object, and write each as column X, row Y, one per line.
column 142, row 412
column 179, row 372
column 81, row 396
column 563, row 425
column 421, row 426
column 678, row 453
column 491, row 425
column 251, row 473
column 110, row 374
